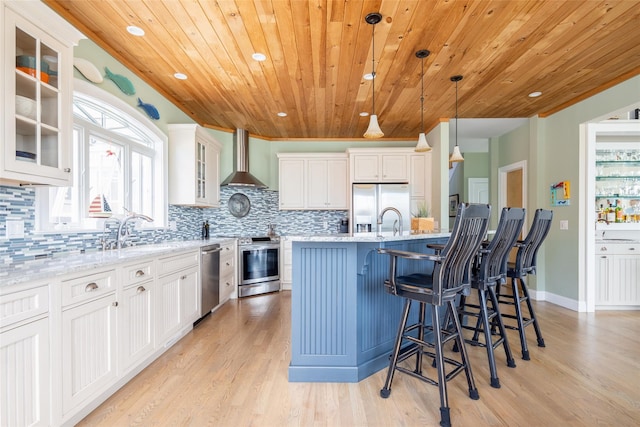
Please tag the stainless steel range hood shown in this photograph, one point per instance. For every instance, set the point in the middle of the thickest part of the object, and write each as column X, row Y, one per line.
column 240, row 176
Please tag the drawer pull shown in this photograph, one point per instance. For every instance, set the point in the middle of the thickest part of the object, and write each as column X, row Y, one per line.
column 183, row 277
column 115, row 303
column 91, row 287
column 140, row 289
column 603, row 249
column 139, row 273
column 632, row 249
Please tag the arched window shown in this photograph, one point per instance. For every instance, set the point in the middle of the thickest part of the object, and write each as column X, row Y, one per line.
column 118, row 164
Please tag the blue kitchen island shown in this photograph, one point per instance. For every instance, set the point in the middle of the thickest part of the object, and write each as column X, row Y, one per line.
column 343, row 322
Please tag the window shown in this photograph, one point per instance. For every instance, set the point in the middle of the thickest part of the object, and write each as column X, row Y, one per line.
column 118, row 166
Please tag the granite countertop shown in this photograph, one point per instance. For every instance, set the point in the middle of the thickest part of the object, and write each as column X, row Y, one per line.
column 364, row 237
column 47, row 268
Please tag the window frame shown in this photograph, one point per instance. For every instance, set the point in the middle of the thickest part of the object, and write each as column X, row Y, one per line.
column 160, row 163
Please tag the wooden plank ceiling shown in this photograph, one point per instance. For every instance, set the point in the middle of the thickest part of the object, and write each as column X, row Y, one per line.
column 319, row 50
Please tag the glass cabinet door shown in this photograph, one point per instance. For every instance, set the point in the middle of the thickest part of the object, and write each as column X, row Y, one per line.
column 37, row 101
column 35, row 130
column 618, row 181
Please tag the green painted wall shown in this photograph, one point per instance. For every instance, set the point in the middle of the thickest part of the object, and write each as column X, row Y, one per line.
column 551, row 147
column 476, row 165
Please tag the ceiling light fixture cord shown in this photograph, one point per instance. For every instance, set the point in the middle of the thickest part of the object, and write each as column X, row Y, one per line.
column 423, row 145
column 373, row 131
column 456, row 156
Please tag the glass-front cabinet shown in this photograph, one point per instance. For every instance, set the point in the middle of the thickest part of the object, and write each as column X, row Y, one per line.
column 37, row 86
column 618, row 183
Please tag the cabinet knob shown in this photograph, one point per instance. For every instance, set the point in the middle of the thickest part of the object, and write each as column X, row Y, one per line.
column 91, row 287
column 603, row 249
column 183, row 277
column 139, row 273
column 140, row 289
column 115, row 303
column 67, row 170
column 632, row 249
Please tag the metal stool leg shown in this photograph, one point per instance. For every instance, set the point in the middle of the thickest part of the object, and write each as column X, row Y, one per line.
column 532, row 316
column 386, row 390
column 445, row 418
column 523, row 337
column 473, row 391
column 484, row 316
column 497, row 321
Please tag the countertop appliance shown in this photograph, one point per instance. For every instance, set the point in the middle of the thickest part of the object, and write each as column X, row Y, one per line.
column 370, row 199
column 259, row 265
column 210, row 273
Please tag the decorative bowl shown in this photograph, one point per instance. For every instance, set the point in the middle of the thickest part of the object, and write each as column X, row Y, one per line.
column 26, row 107
column 27, row 64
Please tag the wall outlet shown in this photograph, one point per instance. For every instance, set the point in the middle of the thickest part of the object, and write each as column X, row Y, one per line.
column 564, row 224
column 15, row 229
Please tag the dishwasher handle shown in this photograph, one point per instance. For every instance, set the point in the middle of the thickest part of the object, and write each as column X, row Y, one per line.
column 211, row 251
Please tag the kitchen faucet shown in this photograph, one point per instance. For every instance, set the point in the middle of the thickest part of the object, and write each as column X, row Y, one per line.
column 382, row 212
column 123, row 230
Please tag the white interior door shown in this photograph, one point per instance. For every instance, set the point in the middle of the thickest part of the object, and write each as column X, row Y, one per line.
column 479, row 190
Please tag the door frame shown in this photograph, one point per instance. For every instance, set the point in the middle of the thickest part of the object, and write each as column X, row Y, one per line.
column 502, row 186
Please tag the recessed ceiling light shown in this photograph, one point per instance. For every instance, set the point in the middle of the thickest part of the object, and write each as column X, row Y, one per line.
column 368, row 76
column 282, row 114
column 180, row 76
column 535, row 94
column 364, row 114
column 136, row 31
column 259, row 56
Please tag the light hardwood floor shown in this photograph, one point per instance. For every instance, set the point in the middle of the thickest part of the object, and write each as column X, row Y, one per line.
column 231, row 370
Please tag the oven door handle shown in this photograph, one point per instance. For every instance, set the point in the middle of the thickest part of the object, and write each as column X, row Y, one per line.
column 258, row 247
column 212, row 251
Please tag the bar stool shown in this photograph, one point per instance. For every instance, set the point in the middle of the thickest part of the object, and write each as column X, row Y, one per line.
column 490, row 269
column 437, row 290
column 526, row 262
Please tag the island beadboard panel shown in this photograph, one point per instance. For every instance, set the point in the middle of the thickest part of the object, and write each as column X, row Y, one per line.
column 17, row 203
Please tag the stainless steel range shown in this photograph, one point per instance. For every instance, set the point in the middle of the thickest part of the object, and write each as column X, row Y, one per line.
column 259, row 265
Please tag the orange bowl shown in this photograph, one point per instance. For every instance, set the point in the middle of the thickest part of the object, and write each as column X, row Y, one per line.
column 32, row 72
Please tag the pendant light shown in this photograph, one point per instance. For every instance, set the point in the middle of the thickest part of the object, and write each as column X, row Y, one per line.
column 373, row 131
column 423, row 144
column 456, row 156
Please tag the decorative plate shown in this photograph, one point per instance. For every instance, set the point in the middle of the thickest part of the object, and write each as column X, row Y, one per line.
column 239, row 205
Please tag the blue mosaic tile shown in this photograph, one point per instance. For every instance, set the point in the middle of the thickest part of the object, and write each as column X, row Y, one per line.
column 19, row 203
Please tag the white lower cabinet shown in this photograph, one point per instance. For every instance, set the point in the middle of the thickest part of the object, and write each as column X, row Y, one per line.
column 286, row 249
column 136, row 324
column 618, row 276
column 227, row 271
column 24, row 373
column 88, row 351
column 178, row 296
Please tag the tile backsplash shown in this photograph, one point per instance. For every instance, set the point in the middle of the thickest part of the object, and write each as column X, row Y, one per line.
column 18, row 204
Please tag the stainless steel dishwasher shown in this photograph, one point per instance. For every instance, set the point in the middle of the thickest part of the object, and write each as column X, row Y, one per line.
column 210, row 273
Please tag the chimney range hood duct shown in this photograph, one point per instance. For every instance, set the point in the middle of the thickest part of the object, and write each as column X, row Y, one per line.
column 240, row 176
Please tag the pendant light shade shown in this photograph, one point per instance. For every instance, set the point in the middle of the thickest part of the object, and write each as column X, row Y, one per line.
column 423, row 144
column 456, row 156
column 373, row 131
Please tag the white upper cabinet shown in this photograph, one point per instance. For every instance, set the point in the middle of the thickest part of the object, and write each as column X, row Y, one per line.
column 291, row 182
column 194, row 167
column 379, row 165
column 37, row 85
column 326, row 183
column 313, row 181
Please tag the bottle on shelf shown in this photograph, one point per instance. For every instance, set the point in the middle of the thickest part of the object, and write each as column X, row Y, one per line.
column 611, row 213
column 619, row 212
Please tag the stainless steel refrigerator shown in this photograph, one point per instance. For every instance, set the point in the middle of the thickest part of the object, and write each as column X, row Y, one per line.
column 370, row 199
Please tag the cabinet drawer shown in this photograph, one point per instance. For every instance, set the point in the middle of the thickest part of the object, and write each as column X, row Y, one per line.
column 227, row 266
column 137, row 273
column 618, row 249
column 175, row 263
column 22, row 305
column 88, row 287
